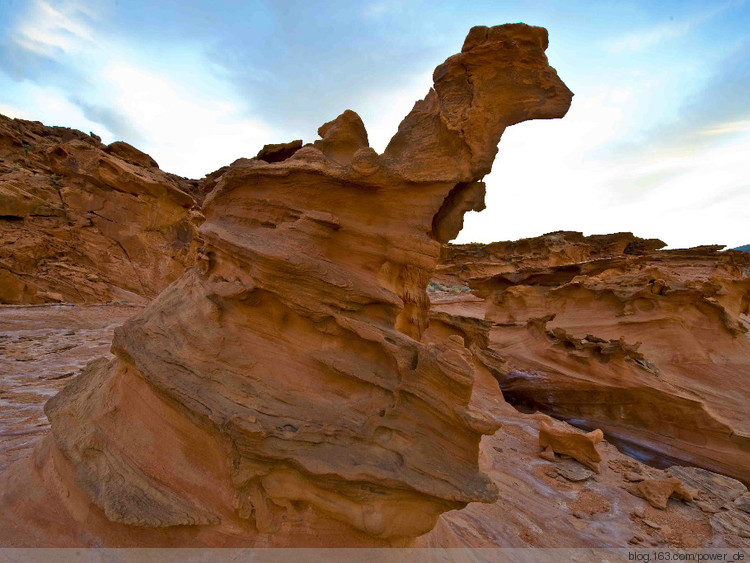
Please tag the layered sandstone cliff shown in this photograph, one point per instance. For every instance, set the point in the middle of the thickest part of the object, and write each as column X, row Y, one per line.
column 649, row 345
column 282, row 393
column 85, row 222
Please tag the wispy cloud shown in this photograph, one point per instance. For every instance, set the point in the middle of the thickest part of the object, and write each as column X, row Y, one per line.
column 94, row 80
column 180, row 122
column 648, row 38
column 728, row 128
column 378, row 9
column 710, row 116
column 374, row 10
column 55, row 31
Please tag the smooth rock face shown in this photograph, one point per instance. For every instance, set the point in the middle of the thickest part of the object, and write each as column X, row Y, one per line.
column 649, row 345
column 84, row 222
column 281, row 389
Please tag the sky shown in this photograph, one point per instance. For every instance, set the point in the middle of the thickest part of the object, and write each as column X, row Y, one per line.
column 657, row 140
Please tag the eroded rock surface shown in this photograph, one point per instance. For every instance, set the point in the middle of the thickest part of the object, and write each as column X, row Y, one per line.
column 649, row 345
column 281, row 393
column 540, row 503
column 85, row 222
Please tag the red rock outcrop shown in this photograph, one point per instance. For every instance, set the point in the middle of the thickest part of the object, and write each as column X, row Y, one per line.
column 281, row 392
column 651, row 346
column 85, row 222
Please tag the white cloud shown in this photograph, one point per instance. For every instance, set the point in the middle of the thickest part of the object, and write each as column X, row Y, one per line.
column 655, row 35
column 543, row 181
column 739, row 126
column 190, row 120
column 378, row 8
column 52, row 31
column 645, row 39
column 35, row 103
column 185, row 132
column 382, row 111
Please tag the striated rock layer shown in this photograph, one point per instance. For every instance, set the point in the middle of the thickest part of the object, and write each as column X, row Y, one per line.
column 281, row 392
column 85, row 222
column 650, row 346
column 460, row 263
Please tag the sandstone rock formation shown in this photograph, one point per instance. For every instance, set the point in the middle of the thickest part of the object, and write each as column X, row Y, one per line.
column 581, row 447
column 281, row 393
column 649, row 345
column 85, row 222
column 658, row 491
column 543, row 504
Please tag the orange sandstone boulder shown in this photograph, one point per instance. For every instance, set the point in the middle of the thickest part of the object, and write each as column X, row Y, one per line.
column 658, row 491
column 581, row 447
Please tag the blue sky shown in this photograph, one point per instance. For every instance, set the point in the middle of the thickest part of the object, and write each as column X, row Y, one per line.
column 657, row 140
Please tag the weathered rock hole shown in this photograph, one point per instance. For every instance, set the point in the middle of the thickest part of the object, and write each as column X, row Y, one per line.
column 449, row 220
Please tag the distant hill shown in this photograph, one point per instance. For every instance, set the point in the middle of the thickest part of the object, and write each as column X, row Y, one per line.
column 744, row 248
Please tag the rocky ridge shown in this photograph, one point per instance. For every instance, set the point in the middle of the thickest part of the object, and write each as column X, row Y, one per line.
column 81, row 221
